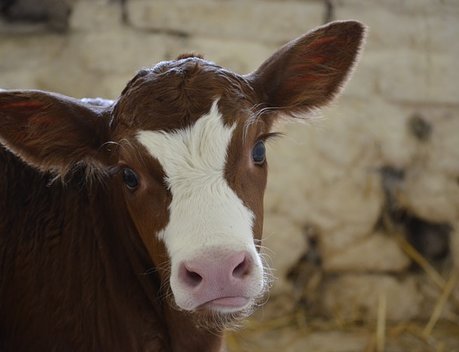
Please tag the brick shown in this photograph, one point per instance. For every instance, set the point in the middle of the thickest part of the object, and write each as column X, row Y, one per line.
column 119, row 50
column 425, row 25
column 90, row 15
column 407, row 76
column 414, row 76
column 355, row 297
column 270, row 21
column 375, row 253
column 431, row 195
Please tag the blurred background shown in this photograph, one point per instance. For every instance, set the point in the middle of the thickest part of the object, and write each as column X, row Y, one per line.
column 362, row 223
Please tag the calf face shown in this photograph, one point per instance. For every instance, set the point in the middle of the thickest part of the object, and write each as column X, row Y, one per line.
column 185, row 145
column 209, row 160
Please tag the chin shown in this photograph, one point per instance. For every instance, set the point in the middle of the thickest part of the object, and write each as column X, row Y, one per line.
column 217, row 318
column 214, row 316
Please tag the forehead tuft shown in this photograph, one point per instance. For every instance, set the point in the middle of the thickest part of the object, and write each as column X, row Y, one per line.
column 187, row 55
column 186, row 65
column 175, row 94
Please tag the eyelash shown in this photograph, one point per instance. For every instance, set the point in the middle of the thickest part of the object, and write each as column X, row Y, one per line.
column 269, row 136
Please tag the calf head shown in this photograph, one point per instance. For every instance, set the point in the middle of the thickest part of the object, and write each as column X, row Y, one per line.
column 186, row 139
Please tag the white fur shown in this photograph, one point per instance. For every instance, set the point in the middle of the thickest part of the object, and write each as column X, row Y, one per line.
column 205, row 213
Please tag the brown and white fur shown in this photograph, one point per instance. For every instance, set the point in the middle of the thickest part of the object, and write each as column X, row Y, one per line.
column 135, row 225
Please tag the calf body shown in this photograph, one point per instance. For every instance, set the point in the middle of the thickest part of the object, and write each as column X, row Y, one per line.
column 67, row 279
column 135, row 225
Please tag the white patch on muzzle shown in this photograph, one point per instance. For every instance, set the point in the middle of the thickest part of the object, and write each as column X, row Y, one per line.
column 206, row 216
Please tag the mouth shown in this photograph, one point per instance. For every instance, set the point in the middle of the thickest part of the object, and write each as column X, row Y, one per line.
column 230, row 304
column 223, row 312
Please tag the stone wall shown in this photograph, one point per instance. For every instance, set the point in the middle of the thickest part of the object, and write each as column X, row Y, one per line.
column 349, row 194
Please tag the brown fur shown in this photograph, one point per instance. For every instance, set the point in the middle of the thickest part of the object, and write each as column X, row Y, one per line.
column 79, row 267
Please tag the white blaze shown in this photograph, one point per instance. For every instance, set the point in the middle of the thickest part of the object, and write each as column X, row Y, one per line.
column 205, row 213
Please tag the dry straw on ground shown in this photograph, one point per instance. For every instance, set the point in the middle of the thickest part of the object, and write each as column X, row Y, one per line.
column 283, row 326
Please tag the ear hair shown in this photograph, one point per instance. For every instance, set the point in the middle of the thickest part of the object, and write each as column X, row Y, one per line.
column 310, row 71
column 52, row 132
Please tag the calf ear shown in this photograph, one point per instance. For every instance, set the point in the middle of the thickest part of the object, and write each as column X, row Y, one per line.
column 51, row 132
column 309, row 71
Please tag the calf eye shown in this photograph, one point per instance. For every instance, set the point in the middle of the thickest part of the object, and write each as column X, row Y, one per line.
column 130, row 178
column 259, row 153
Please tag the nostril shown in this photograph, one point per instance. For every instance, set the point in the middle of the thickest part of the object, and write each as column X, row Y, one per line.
column 193, row 278
column 190, row 277
column 242, row 269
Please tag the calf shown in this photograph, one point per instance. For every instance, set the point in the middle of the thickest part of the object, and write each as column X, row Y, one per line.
column 135, row 225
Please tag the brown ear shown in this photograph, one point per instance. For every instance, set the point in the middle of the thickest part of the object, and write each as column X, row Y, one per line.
column 309, row 71
column 51, row 132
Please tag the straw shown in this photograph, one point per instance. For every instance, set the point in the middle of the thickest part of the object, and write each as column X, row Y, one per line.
column 440, row 305
column 421, row 261
column 381, row 323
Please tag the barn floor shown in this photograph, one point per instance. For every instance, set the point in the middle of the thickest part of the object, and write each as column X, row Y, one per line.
column 267, row 331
